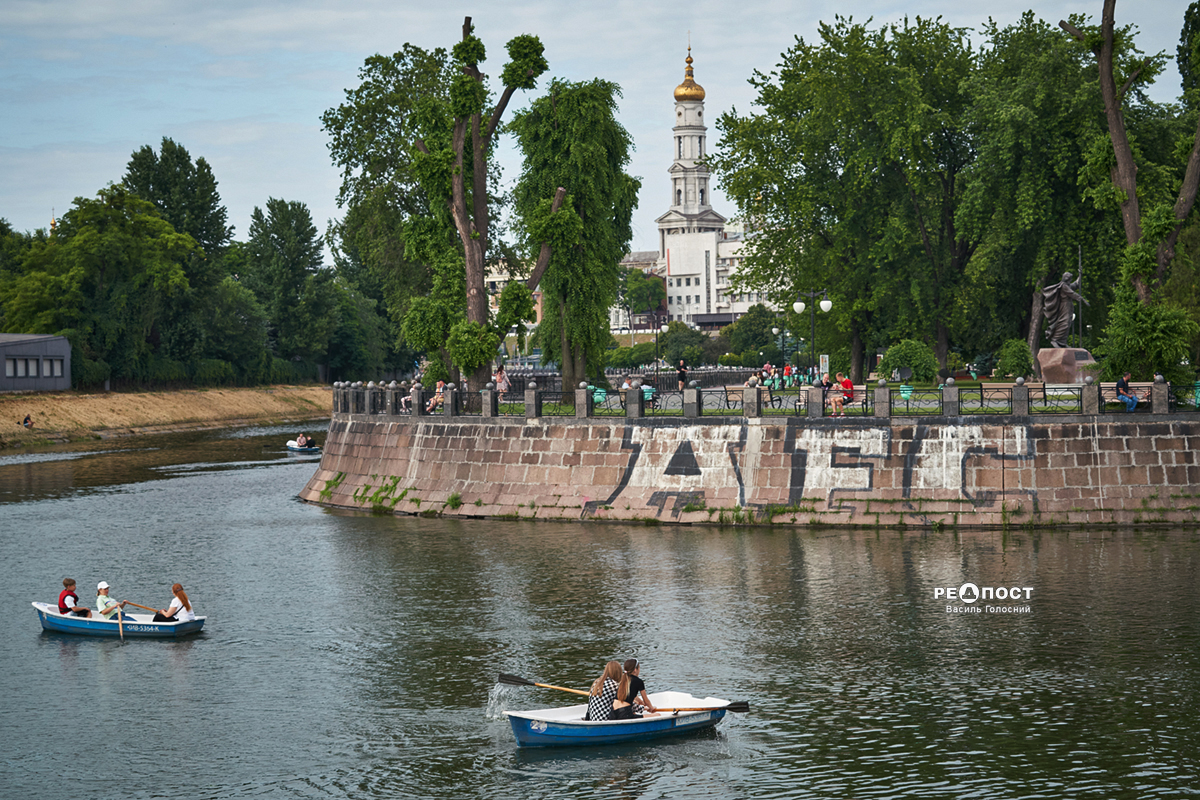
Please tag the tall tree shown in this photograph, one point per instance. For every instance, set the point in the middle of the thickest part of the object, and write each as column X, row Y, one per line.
column 1150, row 237
column 184, row 192
column 286, row 273
column 571, row 137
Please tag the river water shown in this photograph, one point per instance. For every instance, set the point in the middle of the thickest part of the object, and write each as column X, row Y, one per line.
column 356, row 656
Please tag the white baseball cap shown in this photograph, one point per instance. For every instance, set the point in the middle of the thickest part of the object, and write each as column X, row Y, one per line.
column 101, row 585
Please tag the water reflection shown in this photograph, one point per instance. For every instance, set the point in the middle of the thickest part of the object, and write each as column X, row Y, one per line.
column 356, row 656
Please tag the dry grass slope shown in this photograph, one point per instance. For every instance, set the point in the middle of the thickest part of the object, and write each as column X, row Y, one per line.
column 73, row 415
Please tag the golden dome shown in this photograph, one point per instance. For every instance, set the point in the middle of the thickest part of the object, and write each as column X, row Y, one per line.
column 689, row 89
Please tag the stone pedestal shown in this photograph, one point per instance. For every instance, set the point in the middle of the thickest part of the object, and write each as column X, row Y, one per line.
column 883, row 401
column 584, row 402
column 533, row 404
column 1064, row 364
column 691, row 403
column 816, row 401
column 750, row 401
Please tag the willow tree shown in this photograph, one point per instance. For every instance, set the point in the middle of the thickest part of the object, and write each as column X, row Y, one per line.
column 571, row 137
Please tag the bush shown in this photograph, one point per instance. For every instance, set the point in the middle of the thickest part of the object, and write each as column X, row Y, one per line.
column 915, row 355
column 1144, row 339
column 730, row 360
column 211, row 372
column 1015, row 359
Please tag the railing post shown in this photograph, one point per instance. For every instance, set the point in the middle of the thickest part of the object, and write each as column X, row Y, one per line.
column 816, row 401
column 752, row 400
column 584, row 402
column 950, row 399
column 1090, row 396
column 1160, row 395
column 491, row 406
column 691, row 402
column 1020, row 398
column 883, row 399
column 449, row 401
column 418, row 402
column 635, row 402
column 533, row 402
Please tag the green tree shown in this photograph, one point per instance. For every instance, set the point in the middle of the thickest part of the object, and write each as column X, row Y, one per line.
column 752, row 330
column 183, row 191
column 103, row 279
column 915, row 355
column 639, row 293
column 571, row 137
column 286, row 273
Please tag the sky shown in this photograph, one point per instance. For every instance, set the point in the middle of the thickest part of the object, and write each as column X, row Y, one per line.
column 85, row 83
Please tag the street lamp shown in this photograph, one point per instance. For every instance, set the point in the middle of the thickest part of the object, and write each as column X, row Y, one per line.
column 799, row 307
column 657, row 359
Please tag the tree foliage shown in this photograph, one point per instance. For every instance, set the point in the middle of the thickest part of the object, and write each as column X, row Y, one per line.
column 571, row 137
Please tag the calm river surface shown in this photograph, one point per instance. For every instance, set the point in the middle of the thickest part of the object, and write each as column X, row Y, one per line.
column 356, row 656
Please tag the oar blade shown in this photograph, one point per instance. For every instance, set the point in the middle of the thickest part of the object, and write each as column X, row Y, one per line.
column 739, row 706
column 515, row 680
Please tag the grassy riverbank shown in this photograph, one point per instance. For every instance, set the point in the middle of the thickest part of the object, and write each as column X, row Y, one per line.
column 64, row 416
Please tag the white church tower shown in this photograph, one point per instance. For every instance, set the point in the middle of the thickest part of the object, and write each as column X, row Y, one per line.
column 696, row 250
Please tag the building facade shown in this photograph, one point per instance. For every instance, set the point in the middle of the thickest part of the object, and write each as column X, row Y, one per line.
column 699, row 250
column 35, row 362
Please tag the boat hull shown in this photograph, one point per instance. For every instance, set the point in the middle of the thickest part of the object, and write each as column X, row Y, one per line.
column 137, row 626
column 291, row 445
column 565, row 727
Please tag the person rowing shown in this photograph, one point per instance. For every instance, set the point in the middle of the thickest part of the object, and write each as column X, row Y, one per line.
column 105, row 604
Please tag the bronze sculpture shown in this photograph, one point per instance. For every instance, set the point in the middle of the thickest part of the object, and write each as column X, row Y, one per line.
column 1059, row 300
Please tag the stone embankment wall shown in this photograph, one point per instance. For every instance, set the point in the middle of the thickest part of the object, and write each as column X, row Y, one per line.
column 1104, row 469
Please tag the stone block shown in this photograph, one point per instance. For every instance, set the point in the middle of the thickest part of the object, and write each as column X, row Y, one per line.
column 1064, row 364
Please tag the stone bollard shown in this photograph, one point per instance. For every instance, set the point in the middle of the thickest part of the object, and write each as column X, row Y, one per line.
column 1090, row 396
column 691, row 402
column 752, row 400
column 883, row 400
column 450, row 401
column 950, row 399
column 584, row 403
column 533, row 402
column 635, row 402
column 1160, row 396
column 816, row 402
column 418, row 405
column 1020, row 399
column 491, row 402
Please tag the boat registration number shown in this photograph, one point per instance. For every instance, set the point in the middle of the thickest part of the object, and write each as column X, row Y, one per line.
column 691, row 719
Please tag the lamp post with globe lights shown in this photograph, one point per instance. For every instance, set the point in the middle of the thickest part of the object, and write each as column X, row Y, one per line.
column 799, row 306
column 663, row 327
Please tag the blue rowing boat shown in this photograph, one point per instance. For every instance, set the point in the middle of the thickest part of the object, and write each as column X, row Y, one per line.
column 291, row 445
column 557, row 727
column 140, row 626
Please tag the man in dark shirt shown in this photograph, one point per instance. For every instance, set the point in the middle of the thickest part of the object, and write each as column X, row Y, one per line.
column 1125, row 394
column 682, row 375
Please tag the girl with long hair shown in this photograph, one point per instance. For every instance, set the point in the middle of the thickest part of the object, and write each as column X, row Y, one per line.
column 180, row 609
column 603, row 693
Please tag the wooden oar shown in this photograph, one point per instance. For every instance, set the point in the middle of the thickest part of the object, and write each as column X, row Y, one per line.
column 120, row 623
column 144, row 608
column 740, row 706
column 515, row 680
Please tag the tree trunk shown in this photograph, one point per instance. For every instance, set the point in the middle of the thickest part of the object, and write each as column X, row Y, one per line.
column 1035, row 325
column 856, row 357
column 942, row 348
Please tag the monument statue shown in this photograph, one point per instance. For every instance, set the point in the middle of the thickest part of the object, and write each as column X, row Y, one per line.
column 1059, row 300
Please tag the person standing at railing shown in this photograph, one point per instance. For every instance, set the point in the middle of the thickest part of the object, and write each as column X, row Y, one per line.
column 681, row 375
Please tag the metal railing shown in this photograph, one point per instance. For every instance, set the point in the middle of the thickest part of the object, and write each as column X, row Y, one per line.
column 914, row 402
column 1055, row 399
column 557, row 404
column 664, row 404
column 728, row 401
column 981, row 400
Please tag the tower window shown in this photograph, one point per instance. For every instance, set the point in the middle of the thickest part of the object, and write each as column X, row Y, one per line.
column 679, row 141
column 679, row 197
column 701, row 197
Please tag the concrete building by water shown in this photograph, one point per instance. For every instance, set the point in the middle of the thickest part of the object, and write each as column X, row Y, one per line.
column 35, row 362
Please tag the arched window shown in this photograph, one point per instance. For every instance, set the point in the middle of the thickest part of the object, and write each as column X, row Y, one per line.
column 679, row 197
column 679, row 141
column 701, row 197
